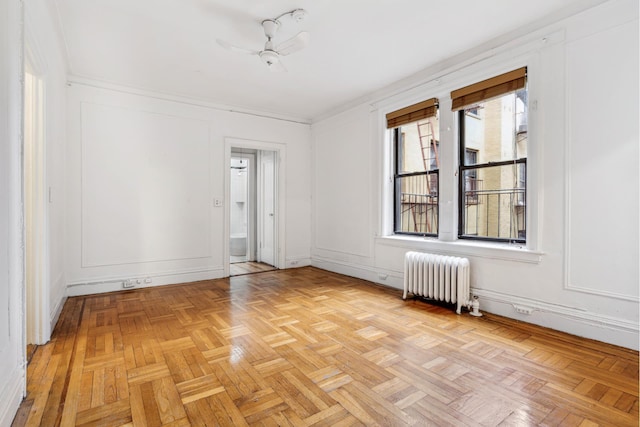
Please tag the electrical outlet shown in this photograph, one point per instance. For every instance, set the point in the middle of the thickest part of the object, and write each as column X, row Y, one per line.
column 128, row 284
column 147, row 280
column 523, row 309
column 293, row 262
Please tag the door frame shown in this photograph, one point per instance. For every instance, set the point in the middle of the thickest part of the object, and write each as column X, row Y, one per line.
column 280, row 194
column 36, row 261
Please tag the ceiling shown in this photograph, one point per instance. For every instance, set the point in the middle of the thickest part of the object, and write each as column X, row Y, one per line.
column 356, row 46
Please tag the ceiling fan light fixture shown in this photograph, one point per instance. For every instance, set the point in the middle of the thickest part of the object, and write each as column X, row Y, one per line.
column 269, row 57
column 271, row 53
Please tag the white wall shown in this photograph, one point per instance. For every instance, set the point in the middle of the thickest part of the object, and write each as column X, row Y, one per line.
column 45, row 49
column 579, row 272
column 12, row 370
column 142, row 175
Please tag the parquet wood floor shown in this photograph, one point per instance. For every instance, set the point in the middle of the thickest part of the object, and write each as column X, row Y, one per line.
column 306, row 347
column 249, row 267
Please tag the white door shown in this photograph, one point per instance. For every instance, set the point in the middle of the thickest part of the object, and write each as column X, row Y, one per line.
column 267, row 207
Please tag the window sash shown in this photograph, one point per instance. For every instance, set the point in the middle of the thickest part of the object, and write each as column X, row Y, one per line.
column 470, row 194
column 476, row 197
column 429, row 198
column 417, row 205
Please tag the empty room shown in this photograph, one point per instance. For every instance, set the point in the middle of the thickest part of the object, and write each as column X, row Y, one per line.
column 319, row 213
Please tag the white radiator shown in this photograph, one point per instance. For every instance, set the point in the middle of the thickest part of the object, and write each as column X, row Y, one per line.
column 439, row 277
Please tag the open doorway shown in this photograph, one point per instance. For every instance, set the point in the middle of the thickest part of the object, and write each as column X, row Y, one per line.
column 252, row 211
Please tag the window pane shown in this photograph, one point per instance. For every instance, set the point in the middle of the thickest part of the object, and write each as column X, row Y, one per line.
column 497, row 129
column 417, row 204
column 494, row 202
column 417, row 146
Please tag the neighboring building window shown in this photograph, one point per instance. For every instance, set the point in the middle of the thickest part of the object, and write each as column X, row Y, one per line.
column 493, row 158
column 417, row 163
column 471, row 184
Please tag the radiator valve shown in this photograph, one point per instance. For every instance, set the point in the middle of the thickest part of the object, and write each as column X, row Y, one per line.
column 475, row 307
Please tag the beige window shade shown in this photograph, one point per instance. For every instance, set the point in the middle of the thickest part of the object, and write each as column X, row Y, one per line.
column 412, row 113
column 490, row 88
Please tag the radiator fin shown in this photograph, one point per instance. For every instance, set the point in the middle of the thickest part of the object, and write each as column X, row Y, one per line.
column 438, row 277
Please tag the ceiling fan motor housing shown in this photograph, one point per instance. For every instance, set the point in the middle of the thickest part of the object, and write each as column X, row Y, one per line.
column 270, row 27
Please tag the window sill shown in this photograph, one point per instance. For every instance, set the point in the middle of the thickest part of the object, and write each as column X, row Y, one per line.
column 500, row 251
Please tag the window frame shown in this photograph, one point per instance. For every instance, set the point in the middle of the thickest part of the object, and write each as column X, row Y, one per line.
column 448, row 224
column 462, row 167
column 397, row 193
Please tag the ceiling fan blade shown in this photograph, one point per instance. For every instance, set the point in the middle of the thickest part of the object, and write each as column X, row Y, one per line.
column 233, row 48
column 294, row 44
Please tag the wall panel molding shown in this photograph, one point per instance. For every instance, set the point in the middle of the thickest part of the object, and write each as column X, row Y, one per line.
column 145, row 186
column 596, row 248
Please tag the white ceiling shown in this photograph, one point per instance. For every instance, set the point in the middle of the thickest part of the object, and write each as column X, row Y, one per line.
column 356, row 46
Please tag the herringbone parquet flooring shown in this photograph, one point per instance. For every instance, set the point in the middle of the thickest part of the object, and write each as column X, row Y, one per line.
column 306, row 347
column 249, row 267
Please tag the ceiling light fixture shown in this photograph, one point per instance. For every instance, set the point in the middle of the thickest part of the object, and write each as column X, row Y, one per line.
column 270, row 54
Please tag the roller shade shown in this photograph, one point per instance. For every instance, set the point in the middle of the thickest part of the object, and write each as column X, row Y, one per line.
column 490, row 88
column 412, row 113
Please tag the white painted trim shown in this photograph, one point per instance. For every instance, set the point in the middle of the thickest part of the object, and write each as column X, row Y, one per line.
column 470, row 248
column 392, row 279
column 568, row 286
column 158, row 279
column 297, row 261
column 573, row 320
column 36, row 207
column 37, row 267
column 99, row 84
column 567, row 152
column 11, row 398
column 281, row 194
column 60, row 299
column 484, row 66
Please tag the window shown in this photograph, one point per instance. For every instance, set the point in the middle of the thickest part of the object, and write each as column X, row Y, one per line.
column 471, row 184
column 417, row 163
column 493, row 158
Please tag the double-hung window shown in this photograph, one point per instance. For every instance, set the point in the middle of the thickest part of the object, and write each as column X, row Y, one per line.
column 492, row 123
column 416, row 168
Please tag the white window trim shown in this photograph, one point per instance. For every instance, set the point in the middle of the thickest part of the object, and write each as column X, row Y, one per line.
column 447, row 241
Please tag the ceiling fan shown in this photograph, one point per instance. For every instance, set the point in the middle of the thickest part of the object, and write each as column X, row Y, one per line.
column 271, row 54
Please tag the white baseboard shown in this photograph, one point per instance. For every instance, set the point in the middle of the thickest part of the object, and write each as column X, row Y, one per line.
column 57, row 309
column 392, row 279
column 563, row 318
column 157, row 279
column 295, row 262
column 10, row 398
column 559, row 317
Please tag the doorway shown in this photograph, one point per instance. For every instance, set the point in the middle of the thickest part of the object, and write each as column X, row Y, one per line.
column 253, row 230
